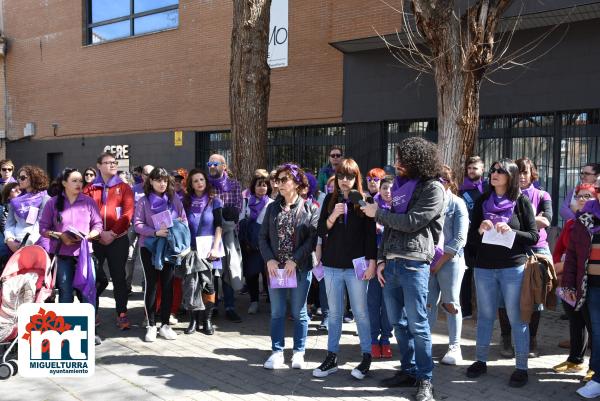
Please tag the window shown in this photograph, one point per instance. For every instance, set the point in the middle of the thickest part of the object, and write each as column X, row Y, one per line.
column 115, row 19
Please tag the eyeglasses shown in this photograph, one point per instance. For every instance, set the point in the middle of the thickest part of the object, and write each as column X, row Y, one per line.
column 373, row 179
column 583, row 197
column 23, row 177
column 581, row 173
column 347, row 177
column 335, row 155
column 214, row 164
column 281, row 180
column 111, row 163
column 498, row 170
column 7, row 169
column 90, row 174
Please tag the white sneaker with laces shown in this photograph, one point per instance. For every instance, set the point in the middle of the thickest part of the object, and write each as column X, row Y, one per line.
column 150, row 334
column 167, row 332
column 253, row 308
column 298, row 360
column 590, row 390
column 453, row 356
column 275, row 361
column 173, row 320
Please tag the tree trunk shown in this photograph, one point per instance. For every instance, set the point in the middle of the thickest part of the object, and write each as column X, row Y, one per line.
column 249, row 86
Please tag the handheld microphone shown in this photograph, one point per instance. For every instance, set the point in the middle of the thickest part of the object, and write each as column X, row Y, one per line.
column 356, row 198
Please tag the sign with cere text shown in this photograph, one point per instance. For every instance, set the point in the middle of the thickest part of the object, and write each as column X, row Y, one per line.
column 278, row 34
column 56, row 340
column 121, row 153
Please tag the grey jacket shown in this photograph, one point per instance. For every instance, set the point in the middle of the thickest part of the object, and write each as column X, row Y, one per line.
column 415, row 233
column 305, row 233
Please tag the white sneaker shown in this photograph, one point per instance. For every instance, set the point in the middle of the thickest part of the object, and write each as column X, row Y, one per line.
column 253, row 309
column 298, row 360
column 275, row 361
column 150, row 334
column 453, row 356
column 173, row 320
column 590, row 390
column 167, row 332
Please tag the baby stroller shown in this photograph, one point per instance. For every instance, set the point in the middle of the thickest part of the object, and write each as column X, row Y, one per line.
column 27, row 277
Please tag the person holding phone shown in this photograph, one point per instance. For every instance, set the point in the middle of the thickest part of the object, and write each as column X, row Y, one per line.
column 286, row 240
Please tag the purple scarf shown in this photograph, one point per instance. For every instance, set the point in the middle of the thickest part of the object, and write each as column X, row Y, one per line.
column 402, row 192
column 498, row 209
column 533, row 194
column 158, row 203
column 593, row 208
column 380, row 202
column 198, row 203
column 11, row 179
column 84, row 278
column 99, row 183
column 221, row 183
column 256, row 205
column 23, row 202
column 469, row 184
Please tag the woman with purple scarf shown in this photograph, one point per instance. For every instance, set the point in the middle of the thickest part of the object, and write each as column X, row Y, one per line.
column 581, row 278
column 499, row 269
column 250, row 222
column 204, row 212
column 542, row 208
column 25, row 211
column 159, row 197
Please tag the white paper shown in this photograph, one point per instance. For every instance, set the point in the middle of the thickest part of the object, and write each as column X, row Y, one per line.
column 204, row 244
column 32, row 215
column 493, row 237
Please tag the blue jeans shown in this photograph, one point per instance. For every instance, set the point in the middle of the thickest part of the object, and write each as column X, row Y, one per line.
column 405, row 294
column 336, row 280
column 445, row 285
column 323, row 299
column 298, row 297
column 65, row 271
column 593, row 303
column 491, row 284
column 381, row 329
column 228, row 296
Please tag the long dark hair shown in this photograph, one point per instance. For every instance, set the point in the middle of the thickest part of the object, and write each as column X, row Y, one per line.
column 60, row 196
column 347, row 166
column 187, row 198
column 513, row 189
column 159, row 173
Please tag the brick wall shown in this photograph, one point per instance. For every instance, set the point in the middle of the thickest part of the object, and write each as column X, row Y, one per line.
column 175, row 79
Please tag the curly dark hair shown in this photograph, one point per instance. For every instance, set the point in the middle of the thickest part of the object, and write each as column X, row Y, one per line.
column 419, row 157
column 187, row 198
column 37, row 177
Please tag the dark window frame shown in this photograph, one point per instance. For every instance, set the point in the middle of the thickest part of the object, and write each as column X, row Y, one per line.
column 131, row 17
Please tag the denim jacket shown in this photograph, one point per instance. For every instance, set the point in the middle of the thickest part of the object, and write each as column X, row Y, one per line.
column 456, row 224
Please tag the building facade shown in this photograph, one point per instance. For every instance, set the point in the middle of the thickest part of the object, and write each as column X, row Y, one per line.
column 151, row 77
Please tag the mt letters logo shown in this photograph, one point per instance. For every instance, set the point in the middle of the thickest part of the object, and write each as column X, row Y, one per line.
column 56, row 340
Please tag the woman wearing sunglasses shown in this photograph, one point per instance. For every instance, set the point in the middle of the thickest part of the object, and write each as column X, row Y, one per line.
column 350, row 235
column 499, row 269
column 579, row 320
column 374, row 177
column 89, row 175
column 581, row 277
column 286, row 240
column 25, row 211
column 6, row 171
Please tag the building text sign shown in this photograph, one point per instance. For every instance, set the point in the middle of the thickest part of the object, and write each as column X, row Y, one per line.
column 121, row 153
column 278, row 34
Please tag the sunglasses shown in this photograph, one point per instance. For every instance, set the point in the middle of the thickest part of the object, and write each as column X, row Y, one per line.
column 347, row 177
column 7, row 169
column 214, row 164
column 335, row 155
column 281, row 180
column 583, row 197
column 373, row 179
column 581, row 173
column 111, row 163
column 23, row 177
column 90, row 174
column 498, row 170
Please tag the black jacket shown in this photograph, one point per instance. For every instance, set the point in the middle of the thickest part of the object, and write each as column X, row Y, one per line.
column 305, row 233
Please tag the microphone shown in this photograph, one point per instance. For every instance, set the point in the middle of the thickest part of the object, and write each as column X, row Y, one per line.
column 357, row 199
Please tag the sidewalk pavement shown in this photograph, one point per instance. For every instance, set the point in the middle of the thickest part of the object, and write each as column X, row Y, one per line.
column 228, row 366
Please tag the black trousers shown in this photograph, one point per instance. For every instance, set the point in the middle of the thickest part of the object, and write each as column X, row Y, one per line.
column 116, row 255
column 466, row 293
column 580, row 330
column 151, row 279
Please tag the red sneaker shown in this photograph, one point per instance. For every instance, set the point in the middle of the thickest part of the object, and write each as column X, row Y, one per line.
column 123, row 321
column 375, row 351
column 386, row 351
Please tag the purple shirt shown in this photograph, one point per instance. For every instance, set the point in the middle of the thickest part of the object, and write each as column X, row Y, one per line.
column 142, row 218
column 82, row 215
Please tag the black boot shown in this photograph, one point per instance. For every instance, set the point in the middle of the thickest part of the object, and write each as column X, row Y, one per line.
column 207, row 327
column 192, row 326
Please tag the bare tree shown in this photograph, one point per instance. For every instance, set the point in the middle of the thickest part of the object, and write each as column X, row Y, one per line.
column 249, row 86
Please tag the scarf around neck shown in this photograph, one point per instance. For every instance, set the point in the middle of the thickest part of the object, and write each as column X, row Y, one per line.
column 256, row 205
column 23, row 202
column 221, row 183
column 10, row 179
column 380, row 202
column 498, row 209
column 99, row 183
column 158, row 203
column 590, row 216
column 402, row 192
column 533, row 194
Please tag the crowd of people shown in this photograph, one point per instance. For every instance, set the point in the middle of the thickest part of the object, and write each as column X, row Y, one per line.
column 387, row 251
